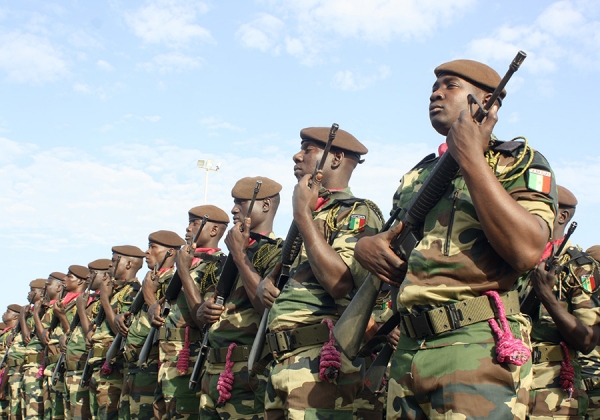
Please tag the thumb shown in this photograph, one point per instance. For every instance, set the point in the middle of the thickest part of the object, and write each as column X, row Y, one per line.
column 392, row 233
column 247, row 223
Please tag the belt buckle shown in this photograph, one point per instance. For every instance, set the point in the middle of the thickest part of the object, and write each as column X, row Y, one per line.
column 167, row 334
column 283, row 341
column 420, row 324
column 455, row 316
column 536, row 355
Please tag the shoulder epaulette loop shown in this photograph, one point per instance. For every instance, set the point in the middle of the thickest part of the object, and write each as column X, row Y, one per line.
column 335, row 225
column 492, row 156
column 209, row 278
column 265, row 253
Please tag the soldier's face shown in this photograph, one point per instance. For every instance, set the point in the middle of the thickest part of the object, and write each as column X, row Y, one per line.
column 53, row 288
column 71, row 282
column 192, row 229
column 306, row 159
column 155, row 254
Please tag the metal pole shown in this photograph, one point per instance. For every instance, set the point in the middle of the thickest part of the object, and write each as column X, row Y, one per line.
column 205, row 186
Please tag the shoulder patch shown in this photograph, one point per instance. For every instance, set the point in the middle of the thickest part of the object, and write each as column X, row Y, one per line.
column 357, row 222
column 539, row 180
column 589, row 282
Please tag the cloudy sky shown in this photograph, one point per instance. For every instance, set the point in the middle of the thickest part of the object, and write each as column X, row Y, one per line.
column 107, row 106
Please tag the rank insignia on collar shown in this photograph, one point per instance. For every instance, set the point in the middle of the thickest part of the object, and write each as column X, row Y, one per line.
column 357, row 222
column 539, row 180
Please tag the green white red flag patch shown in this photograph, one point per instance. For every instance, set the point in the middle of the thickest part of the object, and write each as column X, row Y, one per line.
column 539, row 180
column 357, row 222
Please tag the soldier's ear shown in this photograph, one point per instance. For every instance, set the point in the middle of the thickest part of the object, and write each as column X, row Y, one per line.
column 266, row 205
column 337, row 156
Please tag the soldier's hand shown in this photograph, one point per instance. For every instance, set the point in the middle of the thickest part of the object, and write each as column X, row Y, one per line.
column 62, row 343
column 543, row 281
column 154, row 315
column 394, row 337
column 37, row 306
column 59, row 309
column 375, row 255
column 184, row 258
column 106, row 287
column 88, row 338
column 27, row 339
column 81, row 302
column 267, row 291
column 304, row 199
column 209, row 312
column 237, row 241
column 120, row 320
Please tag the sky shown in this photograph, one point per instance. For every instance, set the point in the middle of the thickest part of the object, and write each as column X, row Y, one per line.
column 108, row 105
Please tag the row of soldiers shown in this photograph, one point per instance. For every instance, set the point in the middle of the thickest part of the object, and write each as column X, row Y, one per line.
column 98, row 343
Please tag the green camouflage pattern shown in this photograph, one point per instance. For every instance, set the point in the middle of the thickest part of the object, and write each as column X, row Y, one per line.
column 137, row 395
column 454, row 261
column 294, row 390
column 457, row 376
column 33, row 403
column 15, row 383
column 303, row 301
column 239, row 321
column 4, row 404
column 78, row 397
column 107, row 393
column 593, row 411
column 174, row 399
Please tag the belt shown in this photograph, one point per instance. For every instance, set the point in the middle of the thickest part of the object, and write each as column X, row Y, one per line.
column 100, row 352
column 52, row 358
column 289, row 340
column 178, row 334
column 14, row 363
column 456, row 315
column 33, row 358
column 238, row 354
column 591, row 383
column 131, row 355
column 546, row 354
column 78, row 365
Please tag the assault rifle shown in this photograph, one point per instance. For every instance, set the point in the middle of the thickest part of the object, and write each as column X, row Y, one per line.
column 86, row 375
column 350, row 328
column 171, row 294
column 222, row 292
column 291, row 249
column 531, row 303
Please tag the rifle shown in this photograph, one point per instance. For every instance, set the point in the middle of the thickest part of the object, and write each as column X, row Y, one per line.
column 291, row 249
column 531, row 303
column 4, row 380
column 222, row 292
column 349, row 330
column 171, row 294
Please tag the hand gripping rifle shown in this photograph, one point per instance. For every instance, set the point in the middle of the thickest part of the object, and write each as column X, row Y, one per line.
column 350, row 328
column 86, row 375
column 531, row 303
column 291, row 249
column 223, row 290
column 171, row 294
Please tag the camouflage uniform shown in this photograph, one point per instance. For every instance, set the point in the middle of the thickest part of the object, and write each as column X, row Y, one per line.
column 174, row 399
column 52, row 406
column 547, row 398
column 33, row 404
column 76, row 356
column 4, row 404
column 238, row 324
column 107, row 388
column 294, row 389
column 455, row 373
column 15, row 361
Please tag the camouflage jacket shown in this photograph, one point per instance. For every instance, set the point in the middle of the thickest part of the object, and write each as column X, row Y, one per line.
column 239, row 321
column 18, row 349
column 76, row 348
column 454, row 260
column 4, row 339
column 35, row 345
column 343, row 220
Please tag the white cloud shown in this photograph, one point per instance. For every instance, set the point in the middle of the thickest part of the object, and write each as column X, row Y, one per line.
column 104, row 65
column 170, row 22
column 565, row 33
column 172, row 62
column 262, row 33
column 30, row 58
column 349, row 80
column 214, row 123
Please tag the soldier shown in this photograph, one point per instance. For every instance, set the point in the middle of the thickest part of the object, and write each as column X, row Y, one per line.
column 10, row 320
column 489, row 227
column 137, row 396
column 309, row 376
column 179, row 335
column 254, row 251
column 115, row 296
column 74, row 346
column 590, row 362
column 17, row 355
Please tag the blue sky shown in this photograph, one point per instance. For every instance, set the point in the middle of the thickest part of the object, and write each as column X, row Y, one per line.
column 108, row 105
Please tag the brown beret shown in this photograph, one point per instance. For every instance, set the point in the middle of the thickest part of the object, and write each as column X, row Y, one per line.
column 57, row 275
column 343, row 139
column 215, row 214
column 37, row 283
column 129, row 251
column 474, row 72
column 244, row 188
column 14, row 307
column 101, row 264
column 166, row 238
column 594, row 252
column 565, row 197
column 79, row 271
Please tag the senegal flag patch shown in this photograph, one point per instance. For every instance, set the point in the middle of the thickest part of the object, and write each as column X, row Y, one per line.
column 539, row 180
column 588, row 282
column 357, row 222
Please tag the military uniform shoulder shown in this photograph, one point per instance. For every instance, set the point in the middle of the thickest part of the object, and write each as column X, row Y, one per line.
column 426, row 161
column 578, row 256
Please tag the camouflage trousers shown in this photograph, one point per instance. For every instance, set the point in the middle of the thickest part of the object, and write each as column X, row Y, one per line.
column 593, row 411
column 54, row 395
column 4, row 409
column 294, row 390
column 457, row 381
column 107, row 392
column 15, row 384
column 547, row 400
column 137, row 395
column 174, row 399
column 32, row 400
column 78, row 397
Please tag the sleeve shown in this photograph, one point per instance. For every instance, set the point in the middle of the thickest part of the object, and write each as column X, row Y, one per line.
column 584, row 306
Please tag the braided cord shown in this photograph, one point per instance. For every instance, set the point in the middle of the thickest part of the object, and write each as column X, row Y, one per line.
column 492, row 159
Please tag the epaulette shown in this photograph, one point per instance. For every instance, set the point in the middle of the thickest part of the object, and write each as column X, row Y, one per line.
column 427, row 159
column 207, row 257
column 507, row 146
column 258, row 237
column 578, row 256
column 136, row 286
